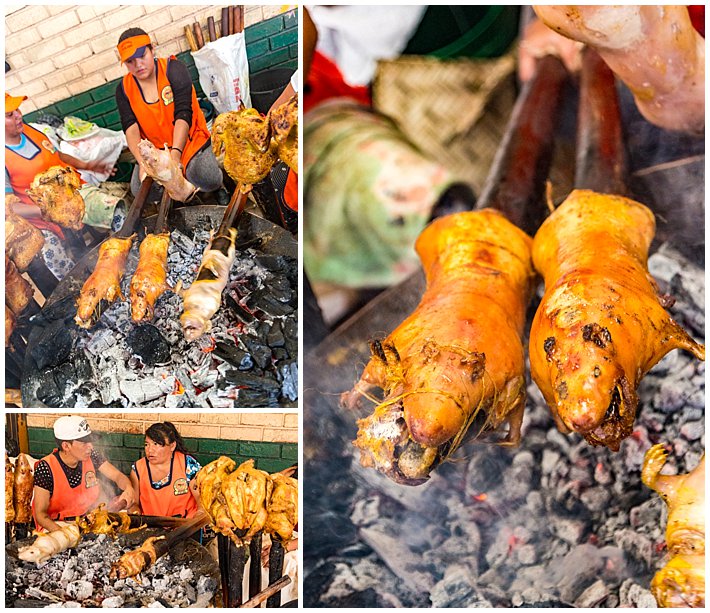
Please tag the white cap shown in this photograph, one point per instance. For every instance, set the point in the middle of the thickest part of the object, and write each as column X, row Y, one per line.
column 71, row 428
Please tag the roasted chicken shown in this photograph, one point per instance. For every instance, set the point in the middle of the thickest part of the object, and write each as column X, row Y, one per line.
column 49, row 544
column 105, row 282
column 159, row 165
column 203, row 298
column 245, row 139
column 56, row 192
column 10, row 322
column 149, row 280
column 22, row 491
column 134, row 562
column 18, row 291
column 681, row 582
column 457, row 361
column 246, row 491
column 9, row 487
column 654, row 50
column 282, row 507
column 284, row 128
column 22, row 240
column 601, row 324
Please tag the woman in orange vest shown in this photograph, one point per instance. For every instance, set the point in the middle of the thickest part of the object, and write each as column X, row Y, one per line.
column 66, row 481
column 164, row 478
column 157, row 101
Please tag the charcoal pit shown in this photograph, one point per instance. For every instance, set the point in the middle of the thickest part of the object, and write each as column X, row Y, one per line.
column 249, row 358
column 185, row 577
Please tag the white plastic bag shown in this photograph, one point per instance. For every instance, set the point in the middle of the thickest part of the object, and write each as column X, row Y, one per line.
column 104, row 145
column 224, row 72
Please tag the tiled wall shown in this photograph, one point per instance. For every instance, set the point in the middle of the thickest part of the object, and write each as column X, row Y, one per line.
column 59, row 51
column 269, row 438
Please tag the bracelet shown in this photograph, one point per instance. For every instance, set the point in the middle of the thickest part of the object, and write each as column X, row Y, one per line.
column 176, row 149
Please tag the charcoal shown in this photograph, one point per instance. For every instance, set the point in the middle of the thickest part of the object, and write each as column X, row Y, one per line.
column 147, row 342
column 60, row 310
column 254, row 382
column 53, row 346
column 232, row 354
column 262, row 300
column 273, row 263
column 275, row 337
column 257, row 398
column 280, row 354
column 260, row 352
column 241, row 312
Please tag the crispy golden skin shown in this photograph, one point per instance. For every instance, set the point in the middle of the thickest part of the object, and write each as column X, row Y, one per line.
column 246, row 491
column 55, row 191
column 105, row 282
column 9, row 482
column 282, row 507
column 22, row 240
column 48, row 544
column 284, row 128
column 133, row 562
column 681, row 583
column 601, row 325
column 148, row 282
column 18, row 291
column 245, row 139
column 22, row 492
column 458, row 358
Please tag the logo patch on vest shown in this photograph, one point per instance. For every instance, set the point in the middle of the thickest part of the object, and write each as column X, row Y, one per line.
column 90, row 479
column 47, row 144
column 180, row 487
column 167, row 95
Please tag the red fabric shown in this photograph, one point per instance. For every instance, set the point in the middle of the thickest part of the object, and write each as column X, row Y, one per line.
column 174, row 500
column 697, row 18
column 291, row 191
column 326, row 81
column 67, row 501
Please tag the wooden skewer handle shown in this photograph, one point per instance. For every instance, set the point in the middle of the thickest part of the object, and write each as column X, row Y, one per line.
column 190, row 39
column 275, row 587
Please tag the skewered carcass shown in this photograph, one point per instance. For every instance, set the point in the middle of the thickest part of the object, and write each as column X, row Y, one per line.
column 458, row 359
column 18, row 291
column 23, row 488
column 284, row 129
column 149, row 279
column 246, row 491
column 681, row 582
column 282, row 507
column 105, row 282
column 132, row 563
column 50, row 543
column 245, row 139
column 159, row 164
column 56, row 192
column 9, row 488
column 601, row 324
column 22, row 240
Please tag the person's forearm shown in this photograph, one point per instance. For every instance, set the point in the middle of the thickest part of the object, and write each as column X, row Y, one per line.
column 285, row 96
column 123, row 482
column 44, row 520
column 180, row 132
column 26, row 210
column 72, row 161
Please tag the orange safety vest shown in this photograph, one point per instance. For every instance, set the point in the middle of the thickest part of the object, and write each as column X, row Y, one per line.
column 291, row 191
column 173, row 500
column 67, row 501
column 23, row 171
column 155, row 120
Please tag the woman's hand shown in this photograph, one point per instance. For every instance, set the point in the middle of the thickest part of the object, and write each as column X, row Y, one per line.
column 100, row 167
column 537, row 41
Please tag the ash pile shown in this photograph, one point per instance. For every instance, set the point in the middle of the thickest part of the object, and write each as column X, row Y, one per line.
column 551, row 523
column 80, row 578
column 248, row 358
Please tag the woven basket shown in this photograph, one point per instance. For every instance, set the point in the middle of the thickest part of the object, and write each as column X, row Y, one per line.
column 454, row 111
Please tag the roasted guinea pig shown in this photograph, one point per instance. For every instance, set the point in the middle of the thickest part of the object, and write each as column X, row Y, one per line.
column 601, row 324
column 132, row 563
column 9, row 488
column 105, row 282
column 10, row 322
column 23, row 488
column 48, row 544
column 18, row 291
column 655, row 50
column 22, row 240
column 458, row 359
column 284, row 129
column 160, row 165
column 149, row 279
column 245, row 139
column 282, row 507
column 203, row 298
column 56, row 193
column 681, row 582
column 246, row 491
column 209, row 485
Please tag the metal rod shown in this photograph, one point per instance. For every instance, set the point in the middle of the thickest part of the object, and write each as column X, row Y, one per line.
column 269, row 592
column 255, row 566
column 516, row 181
column 136, row 209
column 276, row 570
column 601, row 155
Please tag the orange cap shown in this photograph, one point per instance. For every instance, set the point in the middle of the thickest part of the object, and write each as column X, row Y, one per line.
column 133, row 46
column 12, row 103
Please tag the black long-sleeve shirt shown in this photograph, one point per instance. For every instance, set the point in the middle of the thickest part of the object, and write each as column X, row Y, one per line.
column 181, row 84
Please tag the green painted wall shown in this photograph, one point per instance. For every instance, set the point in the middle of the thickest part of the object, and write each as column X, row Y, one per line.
column 272, row 43
column 124, row 449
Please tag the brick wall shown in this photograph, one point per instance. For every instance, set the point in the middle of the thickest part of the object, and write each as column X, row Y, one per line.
column 270, row 438
column 59, row 51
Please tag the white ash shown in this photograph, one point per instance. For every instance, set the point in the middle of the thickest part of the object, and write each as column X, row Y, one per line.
column 79, row 577
column 554, row 522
